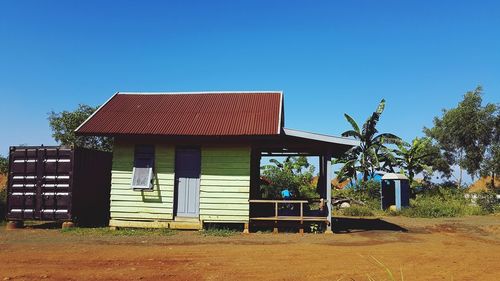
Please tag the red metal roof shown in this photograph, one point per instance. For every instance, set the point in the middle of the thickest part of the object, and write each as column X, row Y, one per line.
column 188, row 114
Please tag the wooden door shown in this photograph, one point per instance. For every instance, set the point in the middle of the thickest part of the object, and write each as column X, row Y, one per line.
column 187, row 178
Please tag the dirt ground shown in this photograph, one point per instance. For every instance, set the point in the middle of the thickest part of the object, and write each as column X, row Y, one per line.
column 423, row 249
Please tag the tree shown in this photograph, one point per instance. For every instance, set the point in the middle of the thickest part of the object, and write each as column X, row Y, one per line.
column 295, row 174
column 417, row 157
column 465, row 133
column 4, row 165
column 368, row 156
column 64, row 124
column 491, row 163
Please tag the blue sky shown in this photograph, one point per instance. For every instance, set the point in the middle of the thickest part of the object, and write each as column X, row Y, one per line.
column 329, row 57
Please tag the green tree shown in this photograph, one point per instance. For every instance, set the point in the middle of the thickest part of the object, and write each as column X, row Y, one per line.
column 369, row 156
column 491, row 162
column 465, row 133
column 294, row 173
column 4, row 165
column 419, row 156
column 64, row 124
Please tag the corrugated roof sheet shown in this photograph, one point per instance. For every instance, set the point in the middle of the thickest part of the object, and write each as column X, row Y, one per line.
column 188, row 114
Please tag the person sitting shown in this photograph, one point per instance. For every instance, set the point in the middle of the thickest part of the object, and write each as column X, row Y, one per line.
column 287, row 208
column 286, row 194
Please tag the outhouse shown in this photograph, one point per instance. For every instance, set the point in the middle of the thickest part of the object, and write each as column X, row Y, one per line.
column 395, row 191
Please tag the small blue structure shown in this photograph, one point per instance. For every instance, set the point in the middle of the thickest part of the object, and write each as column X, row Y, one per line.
column 395, row 191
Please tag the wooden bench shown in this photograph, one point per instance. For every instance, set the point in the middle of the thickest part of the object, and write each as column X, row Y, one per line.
column 276, row 218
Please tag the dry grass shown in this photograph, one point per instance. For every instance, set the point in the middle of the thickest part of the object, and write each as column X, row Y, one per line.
column 482, row 184
column 3, row 181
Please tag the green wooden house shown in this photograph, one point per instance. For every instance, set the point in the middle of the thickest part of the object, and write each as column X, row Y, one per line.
column 184, row 159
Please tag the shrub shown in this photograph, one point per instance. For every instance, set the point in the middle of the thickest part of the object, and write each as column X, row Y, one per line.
column 365, row 192
column 446, row 202
column 433, row 207
column 358, row 211
column 487, row 201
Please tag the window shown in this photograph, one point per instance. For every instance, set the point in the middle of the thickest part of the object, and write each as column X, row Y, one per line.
column 142, row 173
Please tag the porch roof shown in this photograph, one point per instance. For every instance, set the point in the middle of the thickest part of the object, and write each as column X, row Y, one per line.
column 293, row 141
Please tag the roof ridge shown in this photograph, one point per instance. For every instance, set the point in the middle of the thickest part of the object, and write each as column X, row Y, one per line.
column 201, row 92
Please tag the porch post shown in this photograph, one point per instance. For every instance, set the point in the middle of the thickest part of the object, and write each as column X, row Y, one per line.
column 328, row 185
column 322, row 177
column 255, row 157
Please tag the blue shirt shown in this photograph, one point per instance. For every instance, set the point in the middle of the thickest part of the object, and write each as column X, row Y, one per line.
column 285, row 193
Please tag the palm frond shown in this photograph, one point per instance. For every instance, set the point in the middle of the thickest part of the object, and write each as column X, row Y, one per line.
column 352, row 133
column 380, row 107
column 387, row 138
column 352, row 122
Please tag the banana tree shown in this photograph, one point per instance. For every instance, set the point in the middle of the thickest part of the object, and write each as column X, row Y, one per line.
column 369, row 156
column 416, row 157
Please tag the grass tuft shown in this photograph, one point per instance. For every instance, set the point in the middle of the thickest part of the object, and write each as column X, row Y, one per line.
column 388, row 272
column 106, row 231
column 357, row 211
column 221, row 232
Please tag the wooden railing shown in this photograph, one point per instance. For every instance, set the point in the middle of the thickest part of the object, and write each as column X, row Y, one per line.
column 277, row 217
column 276, row 202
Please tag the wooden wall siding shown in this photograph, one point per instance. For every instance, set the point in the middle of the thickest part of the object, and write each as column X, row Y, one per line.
column 128, row 204
column 225, row 184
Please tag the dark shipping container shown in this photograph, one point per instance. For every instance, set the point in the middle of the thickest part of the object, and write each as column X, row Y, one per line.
column 52, row 183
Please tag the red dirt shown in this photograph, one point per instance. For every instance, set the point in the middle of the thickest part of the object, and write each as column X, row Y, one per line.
column 431, row 249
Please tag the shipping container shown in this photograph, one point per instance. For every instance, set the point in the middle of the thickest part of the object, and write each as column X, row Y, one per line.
column 53, row 183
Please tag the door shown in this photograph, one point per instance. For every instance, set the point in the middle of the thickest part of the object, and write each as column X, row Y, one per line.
column 187, row 178
column 388, row 194
column 39, row 183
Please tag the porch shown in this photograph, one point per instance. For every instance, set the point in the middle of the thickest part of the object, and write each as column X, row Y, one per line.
column 296, row 143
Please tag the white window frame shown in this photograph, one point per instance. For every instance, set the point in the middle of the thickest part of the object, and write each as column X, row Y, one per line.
column 141, row 187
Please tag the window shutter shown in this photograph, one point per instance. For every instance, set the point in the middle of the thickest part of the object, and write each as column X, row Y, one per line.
column 142, row 173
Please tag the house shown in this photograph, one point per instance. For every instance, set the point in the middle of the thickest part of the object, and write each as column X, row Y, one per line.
column 184, row 159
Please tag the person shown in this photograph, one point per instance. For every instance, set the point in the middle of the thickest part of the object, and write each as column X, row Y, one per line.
column 286, row 195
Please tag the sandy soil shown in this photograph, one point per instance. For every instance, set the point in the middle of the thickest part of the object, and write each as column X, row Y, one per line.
column 424, row 249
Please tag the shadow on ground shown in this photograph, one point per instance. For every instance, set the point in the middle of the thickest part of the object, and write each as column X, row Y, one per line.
column 43, row 225
column 349, row 225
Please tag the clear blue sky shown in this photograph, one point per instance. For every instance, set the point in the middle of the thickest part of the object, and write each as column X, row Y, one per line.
column 329, row 57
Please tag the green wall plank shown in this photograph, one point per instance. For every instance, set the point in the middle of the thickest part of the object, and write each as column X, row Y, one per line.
column 128, row 203
column 225, row 183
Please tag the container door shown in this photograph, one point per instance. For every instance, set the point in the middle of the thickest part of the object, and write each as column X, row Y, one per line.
column 54, row 177
column 39, row 184
column 22, row 188
column 187, row 175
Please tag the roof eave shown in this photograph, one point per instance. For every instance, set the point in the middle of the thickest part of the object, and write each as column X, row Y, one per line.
column 94, row 113
column 320, row 137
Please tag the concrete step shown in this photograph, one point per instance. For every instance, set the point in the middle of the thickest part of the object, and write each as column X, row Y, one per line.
column 193, row 224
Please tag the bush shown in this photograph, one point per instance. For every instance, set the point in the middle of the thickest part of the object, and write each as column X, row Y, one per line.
column 433, row 207
column 365, row 192
column 487, row 201
column 447, row 202
column 358, row 211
